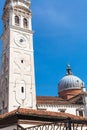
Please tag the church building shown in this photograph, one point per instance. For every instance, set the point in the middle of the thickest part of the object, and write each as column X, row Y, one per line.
column 20, row 108
column 71, row 97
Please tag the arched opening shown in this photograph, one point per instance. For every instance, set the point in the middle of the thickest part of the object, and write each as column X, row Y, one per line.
column 16, row 20
column 25, row 23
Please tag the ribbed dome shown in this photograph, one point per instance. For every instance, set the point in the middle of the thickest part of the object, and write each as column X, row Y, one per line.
column 70, row 82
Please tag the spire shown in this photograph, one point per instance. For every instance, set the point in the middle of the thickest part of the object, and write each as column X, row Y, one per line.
column 69, row 72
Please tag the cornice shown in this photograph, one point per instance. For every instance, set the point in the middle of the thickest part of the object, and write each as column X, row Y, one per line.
column 25, row 2
column 21, row 29
column 22, row 8
column 61, row 105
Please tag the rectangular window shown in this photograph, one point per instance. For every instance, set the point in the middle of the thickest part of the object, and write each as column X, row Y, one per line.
column 80, row 113
column 22, row 89
column 62, row 110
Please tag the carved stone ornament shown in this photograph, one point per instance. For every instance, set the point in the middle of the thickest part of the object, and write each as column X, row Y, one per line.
column 21, row 41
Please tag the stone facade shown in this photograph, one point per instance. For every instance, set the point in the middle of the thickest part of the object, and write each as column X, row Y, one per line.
column 17, row 76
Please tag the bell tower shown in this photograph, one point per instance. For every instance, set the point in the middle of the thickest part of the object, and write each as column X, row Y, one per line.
column 17, row 74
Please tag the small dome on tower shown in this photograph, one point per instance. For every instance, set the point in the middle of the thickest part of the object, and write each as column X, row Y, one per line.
column 70, row 82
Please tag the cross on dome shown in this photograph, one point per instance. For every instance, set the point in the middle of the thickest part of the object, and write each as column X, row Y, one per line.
column 69, row 72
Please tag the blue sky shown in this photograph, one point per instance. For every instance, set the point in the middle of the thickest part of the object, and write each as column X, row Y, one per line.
column 60, row 38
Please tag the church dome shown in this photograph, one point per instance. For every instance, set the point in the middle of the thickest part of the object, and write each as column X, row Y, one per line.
column 70, row 81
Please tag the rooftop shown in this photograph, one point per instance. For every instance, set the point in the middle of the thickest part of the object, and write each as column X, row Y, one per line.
column 40, row 113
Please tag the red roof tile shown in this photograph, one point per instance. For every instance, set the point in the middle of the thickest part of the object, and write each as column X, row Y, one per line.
column 51, row 100
column 40, row 113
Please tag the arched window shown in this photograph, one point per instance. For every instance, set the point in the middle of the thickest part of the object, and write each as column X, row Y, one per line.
column 16, row 20
column 25, row 23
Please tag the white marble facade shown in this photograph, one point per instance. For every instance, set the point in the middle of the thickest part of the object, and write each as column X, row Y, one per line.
column 17, row 75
